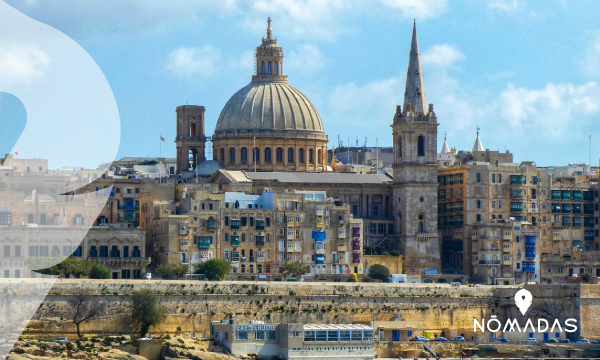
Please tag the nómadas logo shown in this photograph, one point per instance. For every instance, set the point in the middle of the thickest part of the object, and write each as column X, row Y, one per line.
column 523, row 300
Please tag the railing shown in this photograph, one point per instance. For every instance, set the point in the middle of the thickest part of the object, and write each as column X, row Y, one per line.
column 489, row 262
column 114, row 260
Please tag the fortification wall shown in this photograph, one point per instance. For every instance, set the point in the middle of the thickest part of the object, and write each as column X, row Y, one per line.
column 192, row 305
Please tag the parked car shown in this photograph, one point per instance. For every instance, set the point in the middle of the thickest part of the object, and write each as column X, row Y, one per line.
column 552, row 341
column 565, row 341
column 61, row 340
column 458, row 338
column 582, row 341
column 530, row 341
column 440, row 338
column 502, row 340
column 419, row 338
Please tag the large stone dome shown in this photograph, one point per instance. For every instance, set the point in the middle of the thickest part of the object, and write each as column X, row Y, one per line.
column 271, row 108
column 268, row 125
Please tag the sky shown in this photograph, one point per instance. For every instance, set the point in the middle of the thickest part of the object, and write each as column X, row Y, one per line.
column 526, row 73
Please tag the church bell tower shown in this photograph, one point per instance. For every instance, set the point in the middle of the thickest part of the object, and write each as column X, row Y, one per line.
column 191, row 140
column 415, row 171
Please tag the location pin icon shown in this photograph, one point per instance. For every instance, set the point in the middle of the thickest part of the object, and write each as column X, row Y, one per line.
column 523, row 300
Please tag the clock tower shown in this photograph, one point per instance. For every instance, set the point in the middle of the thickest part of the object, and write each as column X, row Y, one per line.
column 415, row 171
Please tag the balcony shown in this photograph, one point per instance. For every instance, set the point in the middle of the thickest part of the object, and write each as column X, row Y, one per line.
column 356, row 259
column 320, row 250
column 507, row 237
column 342, row 246
column 260, row 241
column 356, row 246
column 120, row 260
column 356, row 232
column 319, row 212
column 260, row 259
column 235, row 240
column 341, row 233
column 507, row 262
column 128, row 195
column 204, row 241
column 489, row 262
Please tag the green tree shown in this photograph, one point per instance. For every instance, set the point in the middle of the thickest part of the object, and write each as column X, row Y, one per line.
column 99, row 272
column 213, row 269
column 67, row 267
column 172, row 271
column 379, row 272
column 586, row 277
column 295, row 269
column 394, row 253
column 146, row 310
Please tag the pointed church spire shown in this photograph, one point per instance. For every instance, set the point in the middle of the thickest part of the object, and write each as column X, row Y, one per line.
column 478, row 146
column 445, row 148
column 415, row 92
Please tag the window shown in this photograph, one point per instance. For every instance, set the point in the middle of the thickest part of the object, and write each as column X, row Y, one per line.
column 382, row 228
column 422, row 228
column 268, row 155
column 478, row 217
column 373, row 228
column 232, row 155
column 271, row 335
column 499, row 178
column 290, row 155
column 5, row 217
column 256, row 155
column 493, row 178
column 310, row 156
column 279, row 155
column 421, row 146
column 259, row 335
column 478, row 177
column 499, row 204
column 262, row 68
column 241, row 335
column 244, row 155
column 493, row 204
column 301, row 156
column 375, row 210
column 479, row 204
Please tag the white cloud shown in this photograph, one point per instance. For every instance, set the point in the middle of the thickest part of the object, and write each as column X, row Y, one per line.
column 442, row 56
column 306, row 59
column 417, row 8
column 306, row 19
column 21, row 63
column 591, row 60
column 557, row 110
column 189, row 61
column 505, row 5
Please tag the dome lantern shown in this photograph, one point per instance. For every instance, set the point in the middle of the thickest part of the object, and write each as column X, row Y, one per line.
column 269, row 59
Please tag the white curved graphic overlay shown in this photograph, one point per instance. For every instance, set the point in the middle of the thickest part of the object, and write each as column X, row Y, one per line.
column 72, row 121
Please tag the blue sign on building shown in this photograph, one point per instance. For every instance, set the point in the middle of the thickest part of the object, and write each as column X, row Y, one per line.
column 320, row 259
column 319, row 236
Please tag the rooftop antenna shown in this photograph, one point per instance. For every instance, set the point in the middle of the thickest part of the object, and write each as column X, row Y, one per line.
column 445, row 134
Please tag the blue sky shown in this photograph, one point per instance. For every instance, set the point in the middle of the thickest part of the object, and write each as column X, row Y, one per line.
column 526, row 73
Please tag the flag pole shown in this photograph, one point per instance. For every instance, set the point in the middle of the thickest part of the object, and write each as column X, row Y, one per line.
column 160, row 146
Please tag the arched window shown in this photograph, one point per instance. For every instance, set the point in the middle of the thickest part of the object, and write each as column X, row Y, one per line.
column 310, row 156
column 193, row 130
column 399, row 148
column 269, row 68
column 244, row 155
column 421, row 146
column 243, row 268
column 279, row 155
column 259, row 266
column 268, row 268
column 232, row 155
column 276, row 68
column 251, row 269
column 320, row 157
column 301, row 156
column 268, row 155
column 256, row 155
column 251, row 254
column 223, row 156
column 263, row 68
column 421, row 227
column 243, row 253
column 290, row 155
